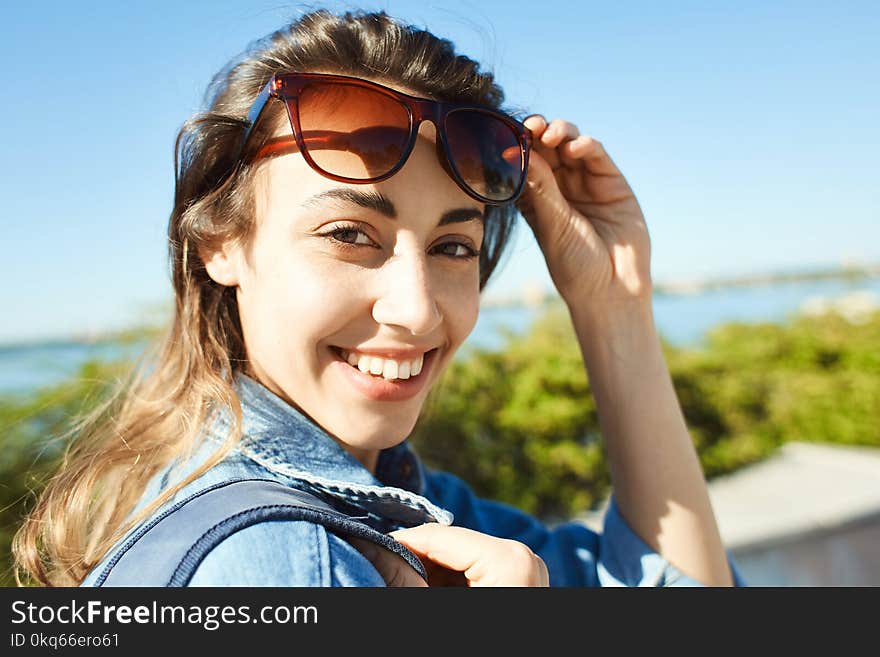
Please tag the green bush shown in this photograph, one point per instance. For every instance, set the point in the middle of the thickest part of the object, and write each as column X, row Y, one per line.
column 32, row 443
column 521, row 425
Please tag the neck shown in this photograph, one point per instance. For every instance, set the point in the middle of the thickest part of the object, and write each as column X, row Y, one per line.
column 366, row 457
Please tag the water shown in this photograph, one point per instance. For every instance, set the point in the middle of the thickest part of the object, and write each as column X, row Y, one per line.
column 26, row 368
column 683, row 320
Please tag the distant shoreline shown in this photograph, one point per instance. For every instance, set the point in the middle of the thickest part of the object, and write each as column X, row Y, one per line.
column 96, row 340
column 700, row 285
column 526, row 298
column 852, row 273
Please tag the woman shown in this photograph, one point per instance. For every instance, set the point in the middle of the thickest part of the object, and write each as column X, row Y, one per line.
column 327, row 259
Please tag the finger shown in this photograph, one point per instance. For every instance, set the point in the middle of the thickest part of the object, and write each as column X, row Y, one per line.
column 557, row 132
column 545, row 574
column 392, row 567
column 543, row 203
column 485, row 560
column 589, row 153
column 550, row 155
column 549, row 138
column 536, row 123
column 457, row 548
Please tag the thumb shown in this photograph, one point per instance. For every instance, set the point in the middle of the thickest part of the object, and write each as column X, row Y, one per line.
column 542, row 203
column 457, row 548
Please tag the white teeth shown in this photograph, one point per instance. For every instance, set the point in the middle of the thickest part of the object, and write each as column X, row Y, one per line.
column 403, row 371
column 387, row 368
column 390, row 369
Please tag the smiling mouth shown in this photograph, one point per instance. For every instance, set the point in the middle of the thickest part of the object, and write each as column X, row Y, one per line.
column 428, row 356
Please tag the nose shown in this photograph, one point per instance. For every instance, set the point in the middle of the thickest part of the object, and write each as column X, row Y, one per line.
column 408, row 300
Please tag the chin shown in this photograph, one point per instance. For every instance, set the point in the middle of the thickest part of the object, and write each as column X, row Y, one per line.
column 376, row 433
column 361, row 429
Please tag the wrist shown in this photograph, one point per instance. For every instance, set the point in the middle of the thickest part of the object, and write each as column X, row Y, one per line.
column 614, row 334
column 613, row 319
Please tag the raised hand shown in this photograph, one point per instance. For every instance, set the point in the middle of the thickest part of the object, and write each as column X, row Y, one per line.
column 585, row 217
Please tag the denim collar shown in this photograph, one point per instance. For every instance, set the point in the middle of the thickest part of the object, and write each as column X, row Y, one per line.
column 283, row 440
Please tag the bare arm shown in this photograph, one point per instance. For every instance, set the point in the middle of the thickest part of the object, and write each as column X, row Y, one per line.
column 659, row 485
column 595, row 240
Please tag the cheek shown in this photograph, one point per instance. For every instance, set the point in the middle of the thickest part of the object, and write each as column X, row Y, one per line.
column 286, row 313
column 295, row 299
column 473, row 311
column 461, row 308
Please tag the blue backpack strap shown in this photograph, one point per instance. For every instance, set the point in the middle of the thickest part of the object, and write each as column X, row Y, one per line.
column 167, row 550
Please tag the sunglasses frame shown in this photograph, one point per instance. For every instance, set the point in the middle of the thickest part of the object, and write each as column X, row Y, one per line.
column 286, row 87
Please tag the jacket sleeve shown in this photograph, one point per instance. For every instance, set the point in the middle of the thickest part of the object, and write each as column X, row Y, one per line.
column 285, row 553
column 574, row 554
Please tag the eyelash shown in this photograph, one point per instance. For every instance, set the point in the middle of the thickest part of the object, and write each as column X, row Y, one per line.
column 344, row 228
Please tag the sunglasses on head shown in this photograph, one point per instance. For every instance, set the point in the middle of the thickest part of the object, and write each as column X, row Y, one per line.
column 356, row 131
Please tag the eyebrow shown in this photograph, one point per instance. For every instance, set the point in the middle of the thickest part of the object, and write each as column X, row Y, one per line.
column 373, row 200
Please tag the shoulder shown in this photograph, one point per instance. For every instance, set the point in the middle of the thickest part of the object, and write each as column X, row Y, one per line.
column 285, row 553
column 226, row 537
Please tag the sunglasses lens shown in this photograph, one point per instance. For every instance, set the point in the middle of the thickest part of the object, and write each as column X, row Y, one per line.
column 485, row 152
column 351, row 131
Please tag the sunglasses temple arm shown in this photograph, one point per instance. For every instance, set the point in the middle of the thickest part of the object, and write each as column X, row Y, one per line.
column 256, row 110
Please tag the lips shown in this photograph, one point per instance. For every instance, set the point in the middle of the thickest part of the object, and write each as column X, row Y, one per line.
column 378, row 388
column 409, row 366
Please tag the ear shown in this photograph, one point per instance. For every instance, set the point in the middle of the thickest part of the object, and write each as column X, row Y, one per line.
column 222, row 264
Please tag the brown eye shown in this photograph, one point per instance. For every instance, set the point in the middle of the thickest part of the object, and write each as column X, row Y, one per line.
column 464, row 253
column 347, row 236
column 341, row 233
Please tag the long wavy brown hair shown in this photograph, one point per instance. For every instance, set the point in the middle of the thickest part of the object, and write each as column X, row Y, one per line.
column 157, row 413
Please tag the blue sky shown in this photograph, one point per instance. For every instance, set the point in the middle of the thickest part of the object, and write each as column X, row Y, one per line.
column 750, row 131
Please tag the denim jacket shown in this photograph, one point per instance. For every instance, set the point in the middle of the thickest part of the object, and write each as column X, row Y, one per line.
column 280, row 443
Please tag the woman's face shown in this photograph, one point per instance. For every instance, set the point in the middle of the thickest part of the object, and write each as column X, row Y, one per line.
column 363, row 268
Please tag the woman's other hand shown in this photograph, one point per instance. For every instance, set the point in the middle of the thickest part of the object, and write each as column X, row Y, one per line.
column 585, row 217
column 456, row 556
